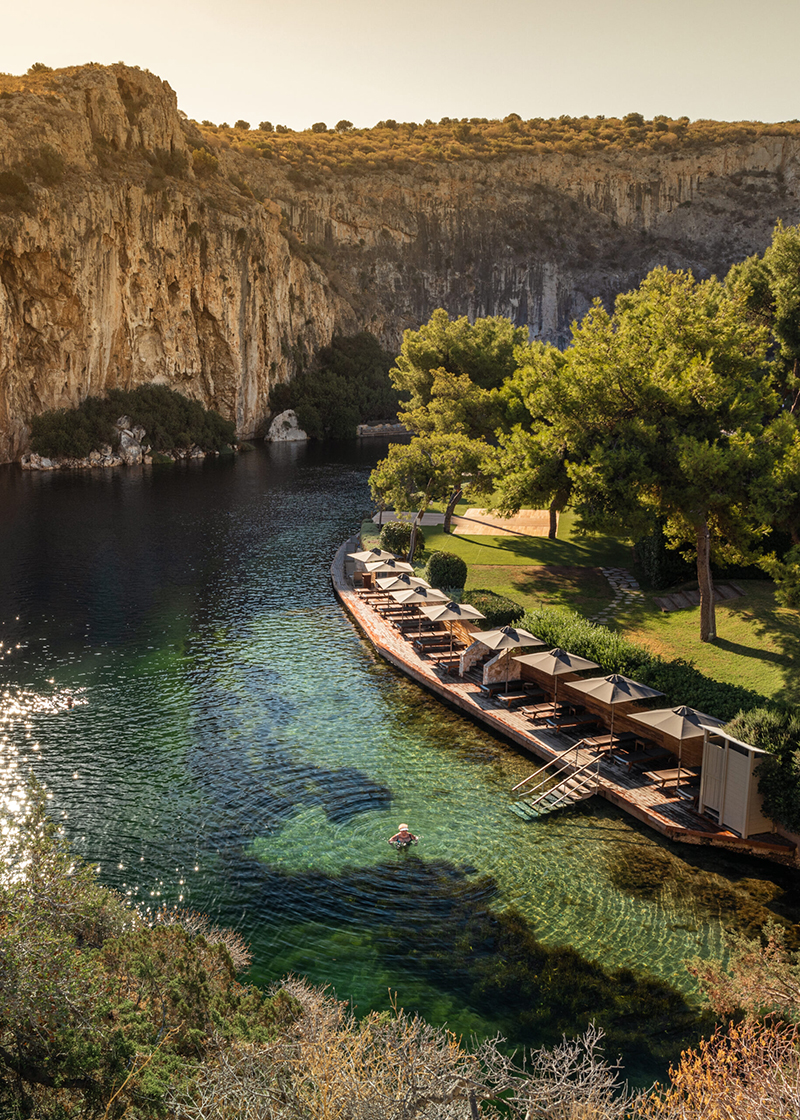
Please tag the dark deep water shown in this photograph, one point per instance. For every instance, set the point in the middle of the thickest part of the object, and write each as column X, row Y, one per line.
column 236, row 747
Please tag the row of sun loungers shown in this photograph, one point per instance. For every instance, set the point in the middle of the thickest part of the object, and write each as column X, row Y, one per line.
column 627, row 749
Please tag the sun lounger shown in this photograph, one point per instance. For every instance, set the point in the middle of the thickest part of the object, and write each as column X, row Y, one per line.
column 404, row 624
column 515, row 698
column 603, row 742
column 643, row 758
column 500, row 686
column 546, row 709
column 670, row 777
column 574, row 723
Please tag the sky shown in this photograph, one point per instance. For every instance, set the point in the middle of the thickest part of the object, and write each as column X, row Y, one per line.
column 297, row 62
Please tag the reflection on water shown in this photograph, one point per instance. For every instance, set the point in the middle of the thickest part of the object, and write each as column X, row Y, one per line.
column 215, row 733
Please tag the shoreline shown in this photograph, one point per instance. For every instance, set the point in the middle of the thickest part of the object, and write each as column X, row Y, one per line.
column 652, row 807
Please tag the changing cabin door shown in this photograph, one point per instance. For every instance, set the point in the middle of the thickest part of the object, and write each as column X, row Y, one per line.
column 737, row 789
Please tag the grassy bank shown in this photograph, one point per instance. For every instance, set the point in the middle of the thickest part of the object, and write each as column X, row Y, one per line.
column 758, row 645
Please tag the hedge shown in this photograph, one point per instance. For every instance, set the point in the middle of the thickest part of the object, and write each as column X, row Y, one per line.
column 499, row 610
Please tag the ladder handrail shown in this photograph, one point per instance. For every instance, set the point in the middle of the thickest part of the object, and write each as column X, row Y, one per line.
column 575, row 774
column 525, row 781
column 565, row 792
column 554, row 774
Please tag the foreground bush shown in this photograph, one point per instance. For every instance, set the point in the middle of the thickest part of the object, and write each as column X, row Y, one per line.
column 102, row 1013
column 446, row 570
column 106, row 1015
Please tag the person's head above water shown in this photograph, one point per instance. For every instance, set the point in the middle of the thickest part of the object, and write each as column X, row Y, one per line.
column 402, row 828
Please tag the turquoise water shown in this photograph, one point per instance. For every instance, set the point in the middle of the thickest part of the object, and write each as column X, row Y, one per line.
column 236, row 747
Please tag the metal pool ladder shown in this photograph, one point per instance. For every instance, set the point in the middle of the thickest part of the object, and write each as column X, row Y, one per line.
column 535, row 801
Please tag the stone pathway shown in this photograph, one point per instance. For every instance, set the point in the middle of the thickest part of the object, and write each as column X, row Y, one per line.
column 625, row 589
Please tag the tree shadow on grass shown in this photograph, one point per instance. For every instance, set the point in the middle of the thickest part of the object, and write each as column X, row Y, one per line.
column 779, row 627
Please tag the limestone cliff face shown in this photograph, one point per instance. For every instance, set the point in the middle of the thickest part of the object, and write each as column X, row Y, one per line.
column 537, row 239
column 121, row 266
column 115, row 278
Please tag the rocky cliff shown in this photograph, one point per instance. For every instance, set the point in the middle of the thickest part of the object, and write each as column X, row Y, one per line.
column 136, row 247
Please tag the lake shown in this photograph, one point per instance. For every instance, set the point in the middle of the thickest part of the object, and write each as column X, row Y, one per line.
column 234, row 746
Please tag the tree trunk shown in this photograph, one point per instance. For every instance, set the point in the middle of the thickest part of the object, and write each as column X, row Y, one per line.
column 708, row 620
column 412, row 544
column 451, row 505
column 552, row 532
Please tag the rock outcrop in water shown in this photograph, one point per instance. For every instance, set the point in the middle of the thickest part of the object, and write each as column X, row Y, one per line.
column 124, row 260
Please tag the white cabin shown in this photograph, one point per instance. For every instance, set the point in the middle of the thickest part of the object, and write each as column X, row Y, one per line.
column 729, row 786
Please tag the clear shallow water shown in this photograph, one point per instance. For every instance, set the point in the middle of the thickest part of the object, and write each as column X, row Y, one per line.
column 236, row 747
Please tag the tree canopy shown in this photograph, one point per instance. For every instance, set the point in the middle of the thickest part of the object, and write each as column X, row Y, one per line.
column 450, row 371
column 665, row 411
column 676, row 411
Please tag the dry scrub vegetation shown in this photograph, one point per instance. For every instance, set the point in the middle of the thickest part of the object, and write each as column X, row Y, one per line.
column 392, row 144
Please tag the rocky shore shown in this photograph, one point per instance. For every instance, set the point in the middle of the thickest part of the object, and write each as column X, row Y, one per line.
column 133, row 450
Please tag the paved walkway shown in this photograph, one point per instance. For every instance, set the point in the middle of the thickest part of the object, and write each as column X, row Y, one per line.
column 482, row 522
column 625, row 588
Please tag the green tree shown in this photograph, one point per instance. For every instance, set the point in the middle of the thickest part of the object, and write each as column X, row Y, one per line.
column 483, row 351
column 770, row 289
column 448, row 452
column 666, row 410
column 431, row 468
column 531, row 459
column 346, row 384
column 450, row 372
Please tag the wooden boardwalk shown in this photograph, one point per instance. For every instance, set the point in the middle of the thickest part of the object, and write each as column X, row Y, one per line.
column 662, row 809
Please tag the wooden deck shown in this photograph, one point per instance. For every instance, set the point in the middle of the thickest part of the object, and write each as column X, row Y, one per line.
column 663, row 809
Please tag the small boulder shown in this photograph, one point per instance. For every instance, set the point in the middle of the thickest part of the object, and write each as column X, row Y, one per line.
column 130, row 449
column 285, row 429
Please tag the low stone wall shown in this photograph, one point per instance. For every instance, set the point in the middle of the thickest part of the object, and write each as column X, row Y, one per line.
column 381, row 430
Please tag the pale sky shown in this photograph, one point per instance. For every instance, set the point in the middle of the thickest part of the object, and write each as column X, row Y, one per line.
column 298, row 62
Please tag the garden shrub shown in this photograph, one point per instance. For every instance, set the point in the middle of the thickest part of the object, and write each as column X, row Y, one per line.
column 446, row 570
column 499, row 610
column 396, row 537
column 680, row 682
column 169, row 419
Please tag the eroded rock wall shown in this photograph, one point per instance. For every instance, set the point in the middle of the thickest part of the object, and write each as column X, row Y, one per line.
column 127, row 267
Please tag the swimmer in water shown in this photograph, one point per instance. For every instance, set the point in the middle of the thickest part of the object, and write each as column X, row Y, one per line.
column 403, row 837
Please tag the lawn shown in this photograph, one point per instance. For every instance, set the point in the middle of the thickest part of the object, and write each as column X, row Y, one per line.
column 758, row 645
column 758, row 642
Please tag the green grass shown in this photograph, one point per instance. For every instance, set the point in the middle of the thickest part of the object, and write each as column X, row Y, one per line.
column 577, row 589
column 758, row 643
